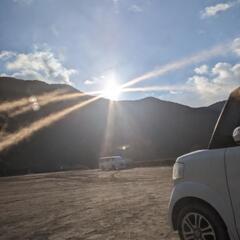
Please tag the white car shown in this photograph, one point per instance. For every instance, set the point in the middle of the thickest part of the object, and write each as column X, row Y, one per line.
column 205, row 200
column 112, row 163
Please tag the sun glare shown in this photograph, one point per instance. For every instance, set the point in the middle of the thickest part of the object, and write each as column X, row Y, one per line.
column 112, row 90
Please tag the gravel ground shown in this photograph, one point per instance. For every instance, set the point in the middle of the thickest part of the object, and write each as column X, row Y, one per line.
column 90, row 204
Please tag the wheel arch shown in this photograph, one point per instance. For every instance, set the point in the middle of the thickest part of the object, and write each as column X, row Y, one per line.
column 186, row 200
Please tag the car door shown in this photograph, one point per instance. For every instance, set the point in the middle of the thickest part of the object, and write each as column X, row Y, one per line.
column 232, row 158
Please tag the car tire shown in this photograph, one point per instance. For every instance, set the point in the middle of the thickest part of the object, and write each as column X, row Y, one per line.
column 198, row 221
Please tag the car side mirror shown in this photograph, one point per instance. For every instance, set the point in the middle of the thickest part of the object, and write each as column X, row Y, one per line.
column 236, row 135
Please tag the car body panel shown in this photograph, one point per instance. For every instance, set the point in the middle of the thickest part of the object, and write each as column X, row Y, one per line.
column 204, row 178
column 212, row 175
column 204, row 193
column 232, row 157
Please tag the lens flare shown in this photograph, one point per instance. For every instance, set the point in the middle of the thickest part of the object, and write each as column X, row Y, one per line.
column 158, row 88
column 14, row 138
column 16, row 104
column 41, row 101
column 201, row 56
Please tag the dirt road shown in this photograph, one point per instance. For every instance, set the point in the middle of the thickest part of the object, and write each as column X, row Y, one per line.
column 91, row 204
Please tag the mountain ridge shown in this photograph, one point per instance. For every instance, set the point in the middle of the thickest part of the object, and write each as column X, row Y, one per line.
column 152, row 128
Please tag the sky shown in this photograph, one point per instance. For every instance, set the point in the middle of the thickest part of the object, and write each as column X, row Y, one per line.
column 181, row 51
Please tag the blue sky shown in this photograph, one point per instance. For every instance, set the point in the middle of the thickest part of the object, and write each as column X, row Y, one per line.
column 84, row 42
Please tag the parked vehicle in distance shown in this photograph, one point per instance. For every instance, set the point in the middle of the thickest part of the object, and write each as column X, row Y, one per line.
column 112, row 163
column 205, row 200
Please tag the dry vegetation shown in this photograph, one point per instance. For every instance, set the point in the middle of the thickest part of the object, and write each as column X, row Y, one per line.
column 128, row 204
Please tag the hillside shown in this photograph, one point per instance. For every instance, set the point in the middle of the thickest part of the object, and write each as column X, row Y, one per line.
column 149, row 129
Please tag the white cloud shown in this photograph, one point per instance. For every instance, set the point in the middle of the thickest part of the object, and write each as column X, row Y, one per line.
column 236, row 46
column 217, row 85
column 6, row 54
column 202, row 90
column 216, row 9
column 203, row 69
column 40, row 64
column 88, row 82
column 135, row 8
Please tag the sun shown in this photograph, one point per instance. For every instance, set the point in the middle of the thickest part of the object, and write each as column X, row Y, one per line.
column 111, row 89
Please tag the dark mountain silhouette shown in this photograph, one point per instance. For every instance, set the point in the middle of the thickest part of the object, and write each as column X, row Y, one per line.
column 151, row 129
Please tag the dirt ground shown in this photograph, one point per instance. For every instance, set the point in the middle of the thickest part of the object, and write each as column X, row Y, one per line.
column 90, row 204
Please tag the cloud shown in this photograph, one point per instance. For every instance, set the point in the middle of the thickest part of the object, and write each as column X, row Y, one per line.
column 236, row 46
column 40, row 64
column 88, row 82
column 200, row 90
column 95, row 80
column 135, row 8
column 217, row 85
column 203, row 69
column 216, row 9
column 6, row 54
column 203, row 90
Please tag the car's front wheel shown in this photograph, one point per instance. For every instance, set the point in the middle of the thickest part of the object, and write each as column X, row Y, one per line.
column 199, row 222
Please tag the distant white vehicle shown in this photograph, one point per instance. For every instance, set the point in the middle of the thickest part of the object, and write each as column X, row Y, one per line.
column 112, row 163
column 205, row 201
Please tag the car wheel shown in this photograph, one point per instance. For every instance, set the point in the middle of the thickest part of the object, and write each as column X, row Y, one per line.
column 200, row 222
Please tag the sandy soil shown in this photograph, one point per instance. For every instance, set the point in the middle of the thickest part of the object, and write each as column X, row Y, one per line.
column 91, row 204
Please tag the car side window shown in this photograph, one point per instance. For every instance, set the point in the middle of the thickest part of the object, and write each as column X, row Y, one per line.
column 229, row 120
